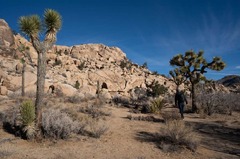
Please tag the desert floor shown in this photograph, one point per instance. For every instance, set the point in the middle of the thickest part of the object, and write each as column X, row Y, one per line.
column 219, row 137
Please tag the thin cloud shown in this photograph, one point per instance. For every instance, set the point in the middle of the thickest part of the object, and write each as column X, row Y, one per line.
column 215, row 35
column 237, row 67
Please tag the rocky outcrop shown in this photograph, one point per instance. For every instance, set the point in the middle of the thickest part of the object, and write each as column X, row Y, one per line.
column 6, row 35
column 93, row 66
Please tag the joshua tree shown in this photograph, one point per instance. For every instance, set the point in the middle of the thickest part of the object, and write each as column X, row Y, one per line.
column 25, row 51
column 192, row 66
column 32, row 26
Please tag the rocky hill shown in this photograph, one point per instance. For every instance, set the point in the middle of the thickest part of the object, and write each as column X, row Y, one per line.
column 89, row 65
column 78, row 69
column 232, row 82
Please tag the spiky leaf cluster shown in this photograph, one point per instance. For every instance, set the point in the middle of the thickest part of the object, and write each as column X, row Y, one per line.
column 177, row 76
column 192, row 66
column 30, row 25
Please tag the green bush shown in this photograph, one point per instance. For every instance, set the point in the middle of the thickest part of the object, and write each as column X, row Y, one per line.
column 57, row 62
column 27, row 113
column 77, row 85
column 81, row 66
column 155, row 89
column 156, row 105
column 126, row 64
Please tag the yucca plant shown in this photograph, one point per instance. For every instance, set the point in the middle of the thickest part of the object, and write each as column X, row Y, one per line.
column 32, row 26
column 27, row 111
column 156, row 105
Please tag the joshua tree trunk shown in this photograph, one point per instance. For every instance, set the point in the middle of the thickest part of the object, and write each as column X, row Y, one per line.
column 194, row 106
column 41, row 72
column 23, row 79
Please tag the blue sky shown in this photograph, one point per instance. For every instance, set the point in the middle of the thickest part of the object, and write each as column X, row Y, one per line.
column 149, row 31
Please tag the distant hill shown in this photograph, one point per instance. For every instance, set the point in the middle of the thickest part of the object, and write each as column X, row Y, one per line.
column 232, row 82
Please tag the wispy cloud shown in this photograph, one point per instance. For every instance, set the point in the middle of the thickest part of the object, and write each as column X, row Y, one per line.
column 237, row 67
column 215, row 35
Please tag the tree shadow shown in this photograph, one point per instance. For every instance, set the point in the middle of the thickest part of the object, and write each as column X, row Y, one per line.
column 218, row 138
column 161, row 142
column 144, row 136
column 148, row 118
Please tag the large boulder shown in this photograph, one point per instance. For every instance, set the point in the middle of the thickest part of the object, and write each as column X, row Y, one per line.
column 3, row 90
column 6, row 35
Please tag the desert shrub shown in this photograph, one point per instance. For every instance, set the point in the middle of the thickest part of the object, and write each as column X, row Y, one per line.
column 94, row 111
column 59, row 125
column 27, row 112
column 57, row 62
column 59, row 52
column 119, row 100
column 155, row 89
column 75, row 99
column 77, row 85
column 176, row 135
column 234, row 101
column 155, row 73
column 5, row 153
column 66, row 52
column 97, row 128
column 218, row 102
column 81, row 66
column 11, row 118
column 30, row 94
column 170, row 116
column 126, row 64
column 15, row 95
column 156, row 105
column 170, row 99
column 145, row 65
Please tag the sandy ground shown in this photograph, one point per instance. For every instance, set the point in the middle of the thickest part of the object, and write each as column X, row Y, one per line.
column 130, row 139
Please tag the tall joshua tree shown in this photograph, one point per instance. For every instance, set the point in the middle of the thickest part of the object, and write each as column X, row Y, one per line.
column 25, row 51
column 32, row 26
column 192, row 66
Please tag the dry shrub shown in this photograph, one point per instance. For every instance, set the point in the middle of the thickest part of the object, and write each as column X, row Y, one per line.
column 59, row 125
column 218, row 102
column 176, row 135
column 97, row 128
column 11, row 116
column 5, row 153
column 94, row 111
column 19, row 120
column 169, row 116
column 119, row 100
column 30, row 94
column 14, row 95
column 75, row 99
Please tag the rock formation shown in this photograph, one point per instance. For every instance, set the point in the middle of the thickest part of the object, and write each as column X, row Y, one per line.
column 89, row 64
